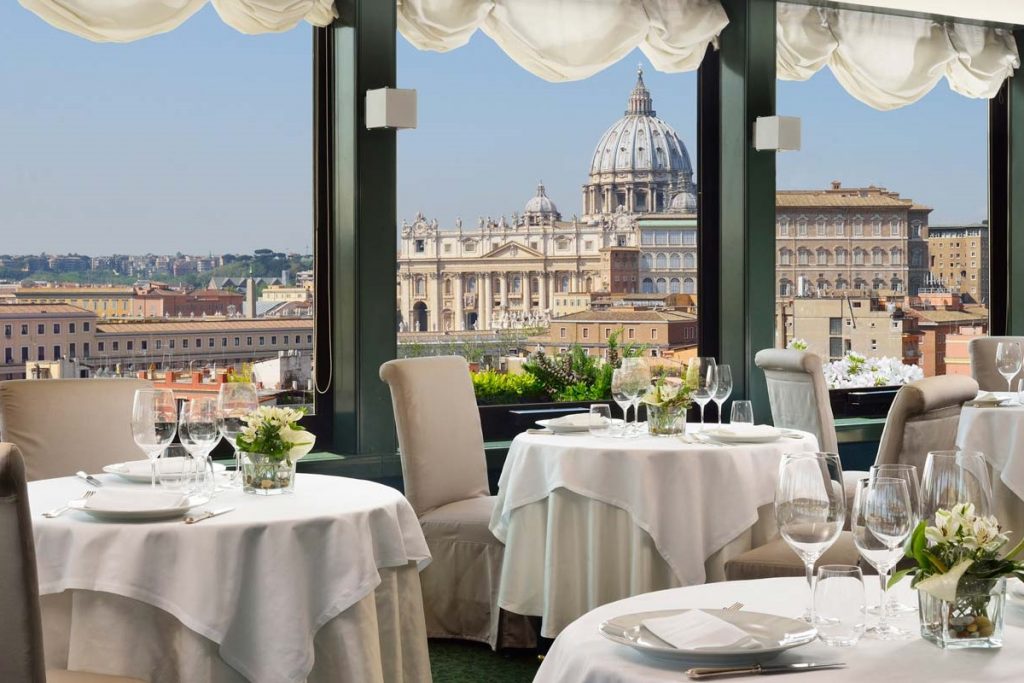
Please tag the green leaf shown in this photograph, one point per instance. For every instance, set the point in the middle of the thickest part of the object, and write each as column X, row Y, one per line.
column 898, row 576
column 939, row 565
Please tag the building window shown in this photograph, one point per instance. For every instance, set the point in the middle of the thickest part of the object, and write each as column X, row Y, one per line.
column 8, row 331
column 24, row 329
column 56, row 328
column 238, row 341
column 421, row 246
column 858, row 227
column 586, row 333
column 654, row 333
column 822, row 231
column 631, row 333
column 801, row 228
column 129, row 345
column 223, row 341
column 85, row 350
column 309, row 339
column 40, row 329
column 145, row 345
column 262, row 340
column 561, row 332
column 689, row 286
column 100, row 345
column 41, row 353
column 71, row 328
column 840, row 227
column 784, row 228
column 690, row 238
column 184, row 343
column 116, row 345
column 248, row 341
column 876, row 228
column 85, row 327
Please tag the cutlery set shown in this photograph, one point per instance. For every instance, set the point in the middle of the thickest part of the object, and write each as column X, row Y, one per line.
column 700, row 673
column 57, row 512
column 93, row 481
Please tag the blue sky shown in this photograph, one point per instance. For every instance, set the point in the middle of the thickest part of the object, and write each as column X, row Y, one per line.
column 199, row 140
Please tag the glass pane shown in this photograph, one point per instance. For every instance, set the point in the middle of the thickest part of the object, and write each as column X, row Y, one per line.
column 154, row 195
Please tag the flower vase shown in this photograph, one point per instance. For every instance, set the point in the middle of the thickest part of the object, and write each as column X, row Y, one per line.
column 266, row 476
column 665, row 419
column 973, row 620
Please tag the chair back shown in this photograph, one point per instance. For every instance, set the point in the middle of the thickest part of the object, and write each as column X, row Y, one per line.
column 439, row 435
column 65, row 425
column 924, row 417
column 798, row 394
column 21, row 630
column 982, row 351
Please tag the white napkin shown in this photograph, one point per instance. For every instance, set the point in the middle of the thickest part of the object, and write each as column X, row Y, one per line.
column 987, row 397
column 747, row 430
column 696, row 630
column 143, row 468
column 130, row 499
column 575, row 420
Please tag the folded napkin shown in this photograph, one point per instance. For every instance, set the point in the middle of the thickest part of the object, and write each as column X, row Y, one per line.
column 575, row 420
column 696, row 630
column 987, row 397
column 747, row 430
column 130, row 500
column 143, row 468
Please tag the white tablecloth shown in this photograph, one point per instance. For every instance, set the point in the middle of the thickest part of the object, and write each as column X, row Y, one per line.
column 260, row 582
column 625, row 506
column 582, row 655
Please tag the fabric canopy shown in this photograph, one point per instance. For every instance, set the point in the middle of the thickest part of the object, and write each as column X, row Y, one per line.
column 887, row 61
column 121, row 21
column 566, row 40
column 1003, row 11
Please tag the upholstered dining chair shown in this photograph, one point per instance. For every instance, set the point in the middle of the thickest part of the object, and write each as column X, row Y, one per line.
column 65, row 425
column 21, row 630
column 982, row 351
column 798, row 394
column 444, row 468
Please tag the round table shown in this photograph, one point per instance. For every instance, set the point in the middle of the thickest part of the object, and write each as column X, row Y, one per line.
column 587, row 520
column 582, row 655
column 321, row 584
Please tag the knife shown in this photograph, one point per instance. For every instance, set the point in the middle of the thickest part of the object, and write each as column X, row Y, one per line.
column 722, row 671
column 89, row 478
column 207, row 515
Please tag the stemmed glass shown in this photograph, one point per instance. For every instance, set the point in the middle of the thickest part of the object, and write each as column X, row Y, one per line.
column 154, row 422
column 907, row 473
column 953, row 477
column 620, row 394
column 810, row 507
column 723, row 390
column 199, row 432
column 702, row 373
column 1008, row 361
column 889, row 517
column 235, row 401
column 640, row 382
column 871, row 548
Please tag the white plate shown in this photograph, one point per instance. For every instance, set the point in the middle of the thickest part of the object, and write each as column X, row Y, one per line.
column 562, row 428
column 139, row 515
column 142, row 477
column 730, row 437
column 774, row 634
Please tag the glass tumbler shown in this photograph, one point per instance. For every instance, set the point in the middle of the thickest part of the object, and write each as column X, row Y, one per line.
column 600, row 423
column 839, row 605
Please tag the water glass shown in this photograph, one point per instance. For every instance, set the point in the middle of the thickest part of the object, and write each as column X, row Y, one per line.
column 176, row 470
column 839, row 605
column 742, row 413
column 600, row 423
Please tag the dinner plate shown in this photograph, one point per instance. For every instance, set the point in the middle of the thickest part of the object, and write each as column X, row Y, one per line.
column 140, row 473
column 139, row 515
column 563, row 428
column 771, row 634
column 734, row 437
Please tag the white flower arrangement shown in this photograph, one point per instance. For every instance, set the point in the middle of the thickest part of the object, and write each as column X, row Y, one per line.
column 274, row 432
column 856, row 371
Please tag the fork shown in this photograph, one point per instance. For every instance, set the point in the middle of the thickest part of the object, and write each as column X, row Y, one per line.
column 734, row 607
column 57, row 512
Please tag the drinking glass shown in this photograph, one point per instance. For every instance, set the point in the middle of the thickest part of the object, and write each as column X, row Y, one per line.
column 907, row 473
column 810, row 506
column 154, row 422
column 839, row 604
column 1020, row 392
column 1008, row 360
column 620, row 383
column 639, row 383
column 199, row 434
column 600, row 419
column 870, row 547
column 234, row 401
column 702, row 373
column 952, row 477
column 742, row 413
column 888, row 516
column 176, row 469
column 723, row 389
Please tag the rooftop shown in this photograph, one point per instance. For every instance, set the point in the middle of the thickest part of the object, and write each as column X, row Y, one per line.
column 16, row 310
column 201, row 326
column 840, row 197
column 621, row 316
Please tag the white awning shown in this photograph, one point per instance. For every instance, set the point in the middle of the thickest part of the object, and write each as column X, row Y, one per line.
column 889, row 61
column 1001, row 11
column 567, row 40
column 120, row 21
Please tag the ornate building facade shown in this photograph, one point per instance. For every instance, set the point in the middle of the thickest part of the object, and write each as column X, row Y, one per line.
column 503, row 273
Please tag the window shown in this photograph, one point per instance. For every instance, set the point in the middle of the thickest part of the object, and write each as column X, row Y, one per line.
column 145, row 345
column 99, row 345
column 41, row 353
column 248, row 341
column 586, row 333
column 184, row 343
column 822, row 230
column 24, row 329
column 784, row 228
column 840, row 227
column 129, row 345
column 85, row 327
column 210, row 343
column 238, row 341
column 116, row 345
column 8, row 356
column 654, row 333
column 262, row 340
column 421, row 246
column 631, row 333
column 801, row 228
column 561, row 332
column 40, row 329
column 71, row 328
column 56, row 352
column 223, row 342
column 56, row 328
column 24, row 353
column 8, row 330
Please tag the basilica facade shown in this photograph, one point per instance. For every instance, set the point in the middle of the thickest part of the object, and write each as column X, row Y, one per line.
column 503, row 273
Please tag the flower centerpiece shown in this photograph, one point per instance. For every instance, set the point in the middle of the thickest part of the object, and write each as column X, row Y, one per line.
column 269, row 445
column 667, row 401
column 857, row 371
column 960, row 577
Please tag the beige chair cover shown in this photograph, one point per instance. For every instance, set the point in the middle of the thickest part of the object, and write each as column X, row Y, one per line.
column 982, row 351
column 445, row 474
column 65, row 425
column 798, row 394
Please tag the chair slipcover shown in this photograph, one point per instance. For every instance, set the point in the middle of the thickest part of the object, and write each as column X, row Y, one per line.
column 798, row 394
column 444, row 469
column 776, row 558
column 982, row 351
column 21, row 631
column 65, row 425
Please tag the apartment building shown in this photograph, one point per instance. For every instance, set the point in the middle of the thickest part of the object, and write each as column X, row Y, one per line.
column 958, row 259
column 43, row 332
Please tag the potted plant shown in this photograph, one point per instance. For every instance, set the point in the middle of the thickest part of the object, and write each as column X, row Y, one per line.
column 269, row 445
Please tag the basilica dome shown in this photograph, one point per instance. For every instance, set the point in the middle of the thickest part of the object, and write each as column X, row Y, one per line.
column 540, row 208
column 684, row 202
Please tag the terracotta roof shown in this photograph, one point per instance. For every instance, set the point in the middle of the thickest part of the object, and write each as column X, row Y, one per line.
column 862, row 197
column 205, row 326
column 72, row 291
column 620, row 316
column 950, row 316
column 15, row 310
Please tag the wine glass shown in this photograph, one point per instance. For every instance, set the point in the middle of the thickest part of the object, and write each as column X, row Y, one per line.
column 154, row 422
column 810, row 506
column 723, row 390
column 235, row 401
column 907, row 473
column 887, row 513
column 953, row 477
column 702, row 374
column 199, row 432
column 870, row 547
column 620, row 383
column 1008, row 360
column 639, row 383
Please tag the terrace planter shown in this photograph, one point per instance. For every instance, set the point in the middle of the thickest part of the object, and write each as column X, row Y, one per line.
column 862, row 401
column 504, row 422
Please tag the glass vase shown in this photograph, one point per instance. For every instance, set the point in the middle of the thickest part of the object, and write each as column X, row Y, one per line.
column 974, row 619
column 265, row 476
column 666, row 419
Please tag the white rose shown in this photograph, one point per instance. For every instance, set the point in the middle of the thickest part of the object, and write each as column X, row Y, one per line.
column 300, row 440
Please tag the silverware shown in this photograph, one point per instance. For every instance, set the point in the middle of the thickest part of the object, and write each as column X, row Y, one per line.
column 57, row 512
column 734, row 607
column 758, row 669
column 89, row 478
column 206, row 515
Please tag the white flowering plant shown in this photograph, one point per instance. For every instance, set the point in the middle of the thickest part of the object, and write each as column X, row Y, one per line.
column 797, row 344
column 275, row 432
column 960, row 549
column 857, row 371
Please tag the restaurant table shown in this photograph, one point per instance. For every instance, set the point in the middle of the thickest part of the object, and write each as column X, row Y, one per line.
column 998, row 432
column 582, row 655
column 587, row 520
column 320, row 585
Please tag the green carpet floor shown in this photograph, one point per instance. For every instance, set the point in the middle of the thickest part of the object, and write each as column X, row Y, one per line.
column 454, row 661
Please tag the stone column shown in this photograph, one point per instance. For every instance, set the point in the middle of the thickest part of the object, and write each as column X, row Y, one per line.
column 460, row 315
column 436, row 293
column 486, row 298
column 542, row 284
column 574, row 281
column 526, row 291
column 406, row 301
column 503, row 284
